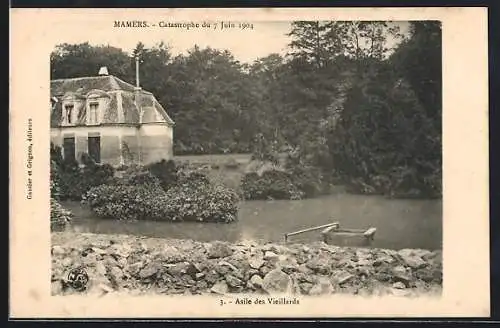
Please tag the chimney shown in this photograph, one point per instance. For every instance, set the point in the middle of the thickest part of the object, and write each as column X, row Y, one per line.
column 103, row 71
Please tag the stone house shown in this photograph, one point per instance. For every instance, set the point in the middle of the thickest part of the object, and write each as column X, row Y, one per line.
column 112, row 121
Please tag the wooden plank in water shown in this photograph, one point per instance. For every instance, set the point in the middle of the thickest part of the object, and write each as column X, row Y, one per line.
column 311, row 229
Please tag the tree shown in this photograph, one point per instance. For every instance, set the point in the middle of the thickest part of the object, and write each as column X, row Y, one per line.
column 309, row 42
column 355, row 91
column 385, row 140
column 418, row 60
column 213, row 102
column 362, row 39
column 354, row 99
column 78, row 60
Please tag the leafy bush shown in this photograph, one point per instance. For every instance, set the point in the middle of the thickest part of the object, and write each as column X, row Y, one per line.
column 199, row 202
column 187, row 176
column 127, row 202
column 70, row 181
column 139, row 176
column 59, row 216
column 97, row 174
column 280, row 185
column 272, row 184
column 165, row 171
column 143, row 195
column 251, row 186
column 309, row 180
column 72, row 184
column 203, row 203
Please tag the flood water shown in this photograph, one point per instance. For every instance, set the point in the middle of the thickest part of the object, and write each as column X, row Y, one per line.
column 400, row 223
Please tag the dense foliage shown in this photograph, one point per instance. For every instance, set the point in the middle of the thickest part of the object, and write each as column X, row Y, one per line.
column 202, row 202
column 127, row 202
column 297, row 182
column 388, row 137
column 59, row 216
column 355, row 102
column 137, row 175
column 382, row 117
column 272, row 184
column 141, row 197
column 165, row 171
column 69, row 180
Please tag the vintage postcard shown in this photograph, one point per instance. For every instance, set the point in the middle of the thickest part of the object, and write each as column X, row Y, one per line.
column 245, row 163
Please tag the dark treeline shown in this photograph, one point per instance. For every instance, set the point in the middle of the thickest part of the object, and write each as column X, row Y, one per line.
column 355, row 101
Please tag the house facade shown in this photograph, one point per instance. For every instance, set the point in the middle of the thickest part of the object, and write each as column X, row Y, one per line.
column 112, row 121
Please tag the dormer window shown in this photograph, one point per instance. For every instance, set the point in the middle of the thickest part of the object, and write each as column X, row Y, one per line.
column 68, row 113
column 93, row 113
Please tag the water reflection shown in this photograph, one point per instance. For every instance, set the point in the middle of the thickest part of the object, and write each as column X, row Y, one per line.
column 399, row 223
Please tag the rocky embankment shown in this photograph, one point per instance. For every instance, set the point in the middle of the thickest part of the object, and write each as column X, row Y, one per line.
column 162, row 266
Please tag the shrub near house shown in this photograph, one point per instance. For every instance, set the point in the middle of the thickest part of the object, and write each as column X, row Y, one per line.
column 72, row 180
column 165, row 171
column 140, row 195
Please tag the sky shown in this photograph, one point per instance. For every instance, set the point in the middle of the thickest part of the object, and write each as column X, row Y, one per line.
column 246, row 44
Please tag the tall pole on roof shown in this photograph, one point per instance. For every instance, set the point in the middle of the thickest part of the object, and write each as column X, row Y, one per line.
column 137, row 72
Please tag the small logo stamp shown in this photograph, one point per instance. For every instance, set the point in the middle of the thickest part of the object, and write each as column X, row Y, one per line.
column 78, row 278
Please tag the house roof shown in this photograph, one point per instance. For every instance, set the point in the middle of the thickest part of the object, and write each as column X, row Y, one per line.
column 83, row 85
column 124, row 106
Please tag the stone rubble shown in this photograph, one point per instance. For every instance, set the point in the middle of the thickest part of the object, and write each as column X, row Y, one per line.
column 165, row 266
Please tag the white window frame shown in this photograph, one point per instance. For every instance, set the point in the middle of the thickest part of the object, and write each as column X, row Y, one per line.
column 69, row 101
column 93, row 120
